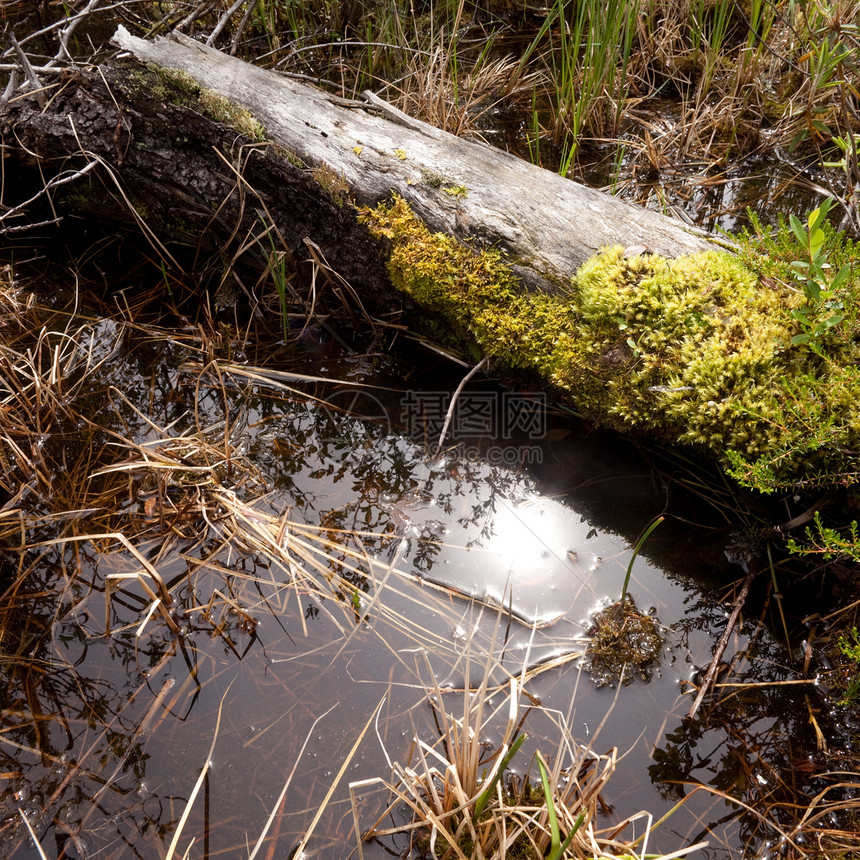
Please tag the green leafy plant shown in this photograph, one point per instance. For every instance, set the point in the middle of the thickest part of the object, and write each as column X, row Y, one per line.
column 851, row 650
column 824, row 308
column 825, row 61
column 828, row 543
column 848, row 146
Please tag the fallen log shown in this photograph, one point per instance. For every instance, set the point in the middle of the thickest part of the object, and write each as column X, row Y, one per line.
column 362, row 150
column 572, row 287
column 546, row 225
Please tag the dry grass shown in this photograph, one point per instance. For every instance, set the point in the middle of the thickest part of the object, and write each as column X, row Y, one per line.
column 433, row 92
column 727, row 80
column 191, row 490
column 465, row 802
column 184, row 490
column 46, row 363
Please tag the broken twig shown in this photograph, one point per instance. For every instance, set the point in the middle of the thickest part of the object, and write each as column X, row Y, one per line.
column 711, row 674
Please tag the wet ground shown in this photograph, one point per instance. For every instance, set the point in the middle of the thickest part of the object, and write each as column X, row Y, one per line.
column 330, row 569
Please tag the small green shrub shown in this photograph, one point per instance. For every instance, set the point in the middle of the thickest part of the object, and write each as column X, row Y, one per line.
column 828, row 543
column 824, row 308
column 850, row 648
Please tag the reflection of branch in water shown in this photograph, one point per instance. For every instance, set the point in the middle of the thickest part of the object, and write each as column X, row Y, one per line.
column 724, row 641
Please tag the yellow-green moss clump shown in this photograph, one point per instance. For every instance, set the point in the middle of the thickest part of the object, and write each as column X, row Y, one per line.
column 695, row 351
column 224, row 111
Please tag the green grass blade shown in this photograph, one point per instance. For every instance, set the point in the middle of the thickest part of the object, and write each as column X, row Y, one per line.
column 550, row 810
column 484, row 796
column 636, row 552
column 573, row 830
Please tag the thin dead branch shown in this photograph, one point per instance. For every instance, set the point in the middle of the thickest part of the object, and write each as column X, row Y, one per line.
column 713, row 669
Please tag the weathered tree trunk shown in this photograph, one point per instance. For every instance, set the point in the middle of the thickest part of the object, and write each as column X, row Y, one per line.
column 697, row 352
column 186, row 173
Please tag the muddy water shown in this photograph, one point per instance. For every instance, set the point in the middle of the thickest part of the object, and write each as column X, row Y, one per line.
column 294, row 660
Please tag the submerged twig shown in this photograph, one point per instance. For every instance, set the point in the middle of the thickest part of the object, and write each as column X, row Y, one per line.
column 33, row 834
column 283, row 793
column 724, row 641
column 479, row 366
column 196, row 790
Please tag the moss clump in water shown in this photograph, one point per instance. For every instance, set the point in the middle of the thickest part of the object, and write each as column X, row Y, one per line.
column 624, row 643
column 694, row 351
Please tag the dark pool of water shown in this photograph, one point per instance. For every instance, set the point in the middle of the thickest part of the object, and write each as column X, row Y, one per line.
column 492, row 553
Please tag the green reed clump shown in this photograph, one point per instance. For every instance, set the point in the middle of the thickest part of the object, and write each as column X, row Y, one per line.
column 586, row 56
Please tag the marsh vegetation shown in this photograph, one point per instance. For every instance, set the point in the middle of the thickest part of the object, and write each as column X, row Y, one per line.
column 248, row 608
column 699, row 108
column 206, row 547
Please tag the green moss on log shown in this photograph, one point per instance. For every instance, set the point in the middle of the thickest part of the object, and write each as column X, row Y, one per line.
column 693, row 351
column 178, row 87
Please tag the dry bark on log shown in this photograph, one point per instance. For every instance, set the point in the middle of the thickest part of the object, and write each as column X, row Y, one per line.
column 548, row 223
column 165, row 157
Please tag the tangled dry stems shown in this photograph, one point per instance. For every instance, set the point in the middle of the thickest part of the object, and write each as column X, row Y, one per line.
column 44, row 367
column 731, row 70
column 464, row 803
column 742, row 79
